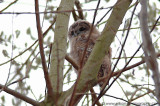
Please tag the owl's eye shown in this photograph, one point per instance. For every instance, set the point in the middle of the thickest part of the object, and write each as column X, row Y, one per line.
column 82, row 29
column 72, row 33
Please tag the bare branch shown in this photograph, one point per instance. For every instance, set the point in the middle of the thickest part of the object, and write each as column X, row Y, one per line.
column 94, row 97
column 80, row 12
column 20, row 96
column 62, row 11
column 103, row 16
column 69, row 59
column 148, row 48
column 155, row 24
column 8, row 6
column 59, row 48
column 75, row 17
column 40, row 38
column 131, row 67
column 108, row 96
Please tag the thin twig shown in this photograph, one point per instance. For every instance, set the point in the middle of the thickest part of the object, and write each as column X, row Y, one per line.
column 130, row 67
column 49, row 55
column 65, row 11
column 94, row 97
column 46, row 5
column 104, row 16
column 108, row 96
column 8, row 6
column 30, row 64
column 70, row 67
column 153, row 27
column 19, row 80
column 40, row 38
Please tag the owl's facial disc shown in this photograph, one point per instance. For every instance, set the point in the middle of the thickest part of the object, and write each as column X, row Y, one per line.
column 79, row 29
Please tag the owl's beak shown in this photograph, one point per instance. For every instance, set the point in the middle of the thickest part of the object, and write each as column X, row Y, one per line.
column 74, row 34
column 77, row 33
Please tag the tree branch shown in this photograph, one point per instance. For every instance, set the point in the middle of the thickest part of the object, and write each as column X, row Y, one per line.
column 59, row 47
column 63, row 11
column 94, row 97
column 69, row 59
column 40, row 38
column 148, row 48
column 130, row 67
column 20, row 96
column 8, row 6
column 80, row 12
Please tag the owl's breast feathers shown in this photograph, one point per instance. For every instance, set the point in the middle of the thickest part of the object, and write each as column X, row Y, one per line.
column 79, row 48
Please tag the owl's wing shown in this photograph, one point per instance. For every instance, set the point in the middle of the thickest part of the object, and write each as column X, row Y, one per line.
column 105, row 68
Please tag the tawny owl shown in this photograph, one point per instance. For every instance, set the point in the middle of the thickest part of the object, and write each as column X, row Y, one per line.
column 78, row 35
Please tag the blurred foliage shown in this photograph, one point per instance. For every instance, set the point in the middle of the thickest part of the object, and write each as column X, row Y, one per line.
column 107, row 0
column 88, row 1
column 25, row 63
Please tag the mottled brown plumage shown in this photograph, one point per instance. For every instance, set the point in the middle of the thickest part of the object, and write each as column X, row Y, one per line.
column 78, row 35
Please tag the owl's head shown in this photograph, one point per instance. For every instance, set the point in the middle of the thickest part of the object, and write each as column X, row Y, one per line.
column 79, row 28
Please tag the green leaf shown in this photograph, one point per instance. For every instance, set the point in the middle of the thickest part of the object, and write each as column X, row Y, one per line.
column 9, row 38
column 25, row 44
column 5, row 53
column 17, row 33
column 28, row 31
column 3, row 99
column 33, row 38
column 49, row 39
column 69, row 78
column 38, row 60
column 2, row 33
column 107, row 0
